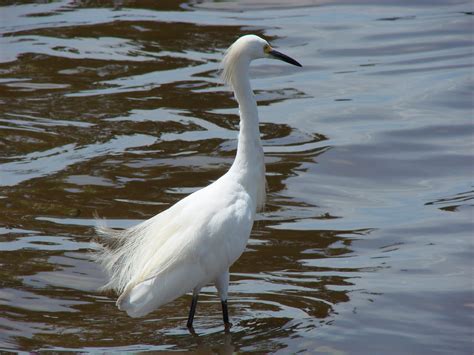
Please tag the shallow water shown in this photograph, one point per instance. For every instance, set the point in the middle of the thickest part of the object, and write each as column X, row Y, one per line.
column 366, row 241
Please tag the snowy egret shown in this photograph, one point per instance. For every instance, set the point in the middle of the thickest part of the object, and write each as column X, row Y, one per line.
column 194, row 242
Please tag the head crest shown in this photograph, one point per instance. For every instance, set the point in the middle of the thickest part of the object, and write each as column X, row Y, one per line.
column 243, row 50
column 228, row 64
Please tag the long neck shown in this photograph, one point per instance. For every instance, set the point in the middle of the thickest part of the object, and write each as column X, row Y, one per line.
column 249, row 145
column 249, row 161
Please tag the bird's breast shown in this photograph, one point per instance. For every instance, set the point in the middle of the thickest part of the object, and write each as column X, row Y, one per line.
column 227, row 233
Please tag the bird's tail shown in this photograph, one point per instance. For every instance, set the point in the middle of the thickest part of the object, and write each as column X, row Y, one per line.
column 140, row 299
column 111, row 248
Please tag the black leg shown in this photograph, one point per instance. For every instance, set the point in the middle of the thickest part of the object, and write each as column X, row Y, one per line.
column 225, row 315
column 192, row 311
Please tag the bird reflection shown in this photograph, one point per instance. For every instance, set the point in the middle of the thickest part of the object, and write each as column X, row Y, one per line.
column 208, row 346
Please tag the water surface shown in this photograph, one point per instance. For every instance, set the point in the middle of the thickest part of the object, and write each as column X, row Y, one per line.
column 117, row 108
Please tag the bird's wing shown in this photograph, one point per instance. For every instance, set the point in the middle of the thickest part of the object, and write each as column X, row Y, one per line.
column 211, row 241
column 126, row 254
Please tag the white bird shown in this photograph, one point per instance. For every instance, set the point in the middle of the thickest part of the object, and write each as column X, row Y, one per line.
column 194, row 242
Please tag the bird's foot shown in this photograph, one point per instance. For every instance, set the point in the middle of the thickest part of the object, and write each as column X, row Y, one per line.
column 191, row 330
column 227, row 327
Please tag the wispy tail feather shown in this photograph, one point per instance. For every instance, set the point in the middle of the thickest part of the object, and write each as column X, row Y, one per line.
column 131, row 255
column 109, row 251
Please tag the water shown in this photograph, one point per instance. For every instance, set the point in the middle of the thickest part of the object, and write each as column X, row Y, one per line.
column 366, row 242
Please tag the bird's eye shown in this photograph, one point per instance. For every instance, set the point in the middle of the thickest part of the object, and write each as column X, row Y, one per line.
column 267, row 48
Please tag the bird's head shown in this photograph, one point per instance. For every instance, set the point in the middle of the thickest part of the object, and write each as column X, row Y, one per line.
column 244, row 50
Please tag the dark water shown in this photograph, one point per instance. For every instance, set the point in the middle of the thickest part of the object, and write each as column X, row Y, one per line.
column 366, row 242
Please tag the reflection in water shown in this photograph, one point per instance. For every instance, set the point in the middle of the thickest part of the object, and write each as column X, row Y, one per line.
column 108, row 106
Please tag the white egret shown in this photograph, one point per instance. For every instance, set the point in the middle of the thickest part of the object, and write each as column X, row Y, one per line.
column 194, row 242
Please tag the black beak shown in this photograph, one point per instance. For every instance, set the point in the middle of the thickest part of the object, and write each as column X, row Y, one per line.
column 277, row 55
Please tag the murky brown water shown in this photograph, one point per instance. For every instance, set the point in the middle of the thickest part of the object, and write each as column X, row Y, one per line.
column 366, row 242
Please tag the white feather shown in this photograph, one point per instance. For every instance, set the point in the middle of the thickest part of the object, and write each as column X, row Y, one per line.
column 183, row 248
